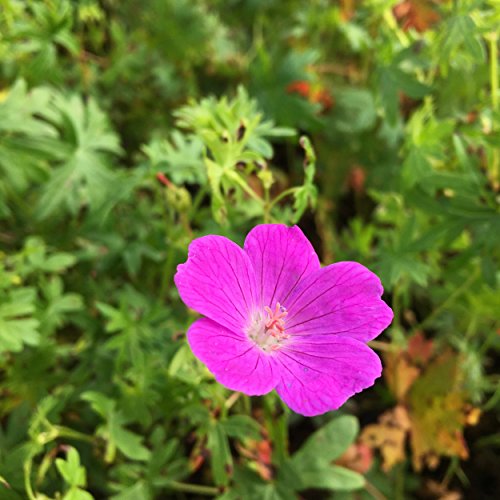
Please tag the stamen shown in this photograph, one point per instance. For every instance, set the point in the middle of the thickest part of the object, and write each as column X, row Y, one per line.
column 268, row 330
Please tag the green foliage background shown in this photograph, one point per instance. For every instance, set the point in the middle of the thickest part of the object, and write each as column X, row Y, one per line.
column 380, row 140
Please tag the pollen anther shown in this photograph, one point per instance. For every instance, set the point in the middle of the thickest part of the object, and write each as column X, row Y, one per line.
column 275, row 324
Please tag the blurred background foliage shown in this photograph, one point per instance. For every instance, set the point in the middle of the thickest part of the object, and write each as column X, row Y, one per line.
column 127, row 128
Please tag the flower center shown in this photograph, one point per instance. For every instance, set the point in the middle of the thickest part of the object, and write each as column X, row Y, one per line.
column 267, row 328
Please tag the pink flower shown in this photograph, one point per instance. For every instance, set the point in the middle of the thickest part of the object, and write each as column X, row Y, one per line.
column 276, row 320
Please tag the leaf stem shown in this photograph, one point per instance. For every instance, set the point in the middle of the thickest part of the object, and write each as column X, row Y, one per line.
column 391, row 22
column 374, row 492
column 446, row 303
column 72, row 434
column 282, row 195
column 235, row 177
column 194, row 488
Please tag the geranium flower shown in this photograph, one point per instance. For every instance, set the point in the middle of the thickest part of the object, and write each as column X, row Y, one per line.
column 276, row 320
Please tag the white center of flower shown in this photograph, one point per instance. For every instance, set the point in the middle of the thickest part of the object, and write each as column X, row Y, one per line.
column 267, row 328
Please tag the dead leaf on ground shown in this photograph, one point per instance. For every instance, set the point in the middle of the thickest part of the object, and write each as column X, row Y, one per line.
column 399, row 374
column 417, row 14
column 432, row 410
column 389, row 436
column 403, row 367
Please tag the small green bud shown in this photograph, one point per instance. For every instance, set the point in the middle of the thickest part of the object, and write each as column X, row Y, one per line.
column 266, row 177
column 179, row 198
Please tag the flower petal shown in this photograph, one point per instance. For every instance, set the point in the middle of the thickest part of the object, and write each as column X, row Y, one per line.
column 281, row 256
column 235, row 361
column 340, row 299
column 320, row 377
column 218, row 281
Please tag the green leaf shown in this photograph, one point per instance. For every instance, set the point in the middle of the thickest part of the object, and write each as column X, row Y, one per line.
column 489, row 270
column 392, row 80
column 392, row 266
column 17, row 326
column 74, row 476
column 461, row 31
column 184, row 366
column 409, row 84
column 101, row 404
column 26, row 141
column 357, row 36
column 215, row 174
column 416, row 166
column 312, row 462
column 117, row 320
column 307, row 194
column 249, row 485
column 58, row 262
column 84, row 176
column 71, row 470
column 77, row 494
column 241, row 426
column 59, row 305
column 234, row 133
column 304, row 196
column 327, row 443
column 139, row 491
column 180, row 158
column 354, row 110
column 271, row 79
column 228, row 128
column 333, row 478
column 221, row 459
column 126, row 441
column 19, row 110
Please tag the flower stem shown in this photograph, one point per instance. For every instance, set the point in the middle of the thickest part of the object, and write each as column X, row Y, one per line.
column 495, row 159
column 267, row 205
column 383, row 346
column 396, row 304
column 399, row 486
column 231, row 400
column 445, row 304
column 277, row 427
column 27, row 479
column 493, row 39
column 235, row 177
column 202, row 192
